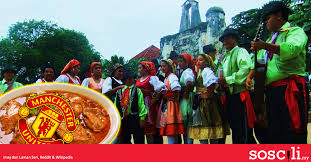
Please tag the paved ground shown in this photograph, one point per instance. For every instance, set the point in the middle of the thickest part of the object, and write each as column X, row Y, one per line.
column 229, row 138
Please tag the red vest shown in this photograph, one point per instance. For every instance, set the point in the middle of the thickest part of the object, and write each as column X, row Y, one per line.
column 94, row 85
column 145, row 87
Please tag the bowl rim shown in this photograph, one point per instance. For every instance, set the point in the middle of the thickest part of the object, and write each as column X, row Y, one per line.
column 115, row 118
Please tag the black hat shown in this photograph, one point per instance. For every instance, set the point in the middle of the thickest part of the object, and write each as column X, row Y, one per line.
column 114, row 68
column 173, row 55
column 275, row 7
column 128, row 74
column 209, row 48
column 245, row 41
column 229, row 32
column 8, row 68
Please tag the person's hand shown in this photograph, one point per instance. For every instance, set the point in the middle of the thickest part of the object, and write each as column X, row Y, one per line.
column 142, row 123
column 249, row 83
column 186, row 95
column 258, row 45
column 153, row 101
column 121, row 87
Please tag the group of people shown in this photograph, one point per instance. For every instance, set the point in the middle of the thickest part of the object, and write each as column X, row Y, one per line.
column 207, row 95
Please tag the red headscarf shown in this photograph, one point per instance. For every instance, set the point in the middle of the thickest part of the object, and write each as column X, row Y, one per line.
column 92, row 66
column 189, row 61
column 150, row 67
column 70, row 65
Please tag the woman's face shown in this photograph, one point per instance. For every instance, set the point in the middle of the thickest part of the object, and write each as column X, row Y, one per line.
column 182, row 63
column 201, row 62
column 97, row 70
column 165, row 68
column 75, row 70
column 118, row 74
column 142, row 71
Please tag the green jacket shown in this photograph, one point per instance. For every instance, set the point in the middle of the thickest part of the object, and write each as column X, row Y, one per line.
column 292, row 58
column 141, row 103
column 236, row 66
column 4, row 86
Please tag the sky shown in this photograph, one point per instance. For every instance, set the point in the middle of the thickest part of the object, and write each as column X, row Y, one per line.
column 121, row 27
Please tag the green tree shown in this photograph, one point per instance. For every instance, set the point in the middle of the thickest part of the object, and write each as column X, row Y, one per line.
column 32, row 44
column 108, row 64
column 63, row 46
column 28, row 32
column 131, row 65
column 246, row 23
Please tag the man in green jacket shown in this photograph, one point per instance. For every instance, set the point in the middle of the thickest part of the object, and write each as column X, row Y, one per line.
column 131, row 104
column 285, row 58
column 236, row 66
column 8, row 74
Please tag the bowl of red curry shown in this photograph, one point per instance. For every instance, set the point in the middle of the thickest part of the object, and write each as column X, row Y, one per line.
column 57, row 113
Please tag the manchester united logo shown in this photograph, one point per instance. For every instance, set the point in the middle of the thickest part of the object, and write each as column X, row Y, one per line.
column 48, row 119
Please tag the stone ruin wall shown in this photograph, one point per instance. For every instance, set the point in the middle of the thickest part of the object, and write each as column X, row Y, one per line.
column 193, row 39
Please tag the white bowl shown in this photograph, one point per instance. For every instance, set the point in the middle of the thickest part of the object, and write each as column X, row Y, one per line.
column 115, row 119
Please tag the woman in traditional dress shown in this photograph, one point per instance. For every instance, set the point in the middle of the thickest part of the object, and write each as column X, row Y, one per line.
column 209, row 121
column 170, row 122
column 186, row 63
column 95, row 82
column 70, row 73
column 48, row 74
column 150, row 85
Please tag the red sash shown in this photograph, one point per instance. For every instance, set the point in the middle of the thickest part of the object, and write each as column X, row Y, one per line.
column 71, row 81
column 291, row 95
column 251, row 117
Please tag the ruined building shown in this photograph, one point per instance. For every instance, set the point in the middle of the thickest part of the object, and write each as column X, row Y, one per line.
column 194, row 34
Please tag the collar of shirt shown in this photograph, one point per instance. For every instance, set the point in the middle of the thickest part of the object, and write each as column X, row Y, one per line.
column 233, row 49
column 285, row 27
column 129, row 86
column 4, row 81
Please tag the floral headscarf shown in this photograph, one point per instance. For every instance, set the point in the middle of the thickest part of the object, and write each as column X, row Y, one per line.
column 171, row 64
column 150, row 67
column 189, row 61
column 209, row 61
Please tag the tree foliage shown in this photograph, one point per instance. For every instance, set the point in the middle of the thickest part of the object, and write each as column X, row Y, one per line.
column 32, row 44
column 130, row 65
column 28, row 32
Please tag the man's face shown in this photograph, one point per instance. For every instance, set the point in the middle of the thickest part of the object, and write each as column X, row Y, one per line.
column 229, row 42
column 212, row 54
column 129, row 81
column 118, row 74
column 49, row 74
column 8, row 75
column 273, row 21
